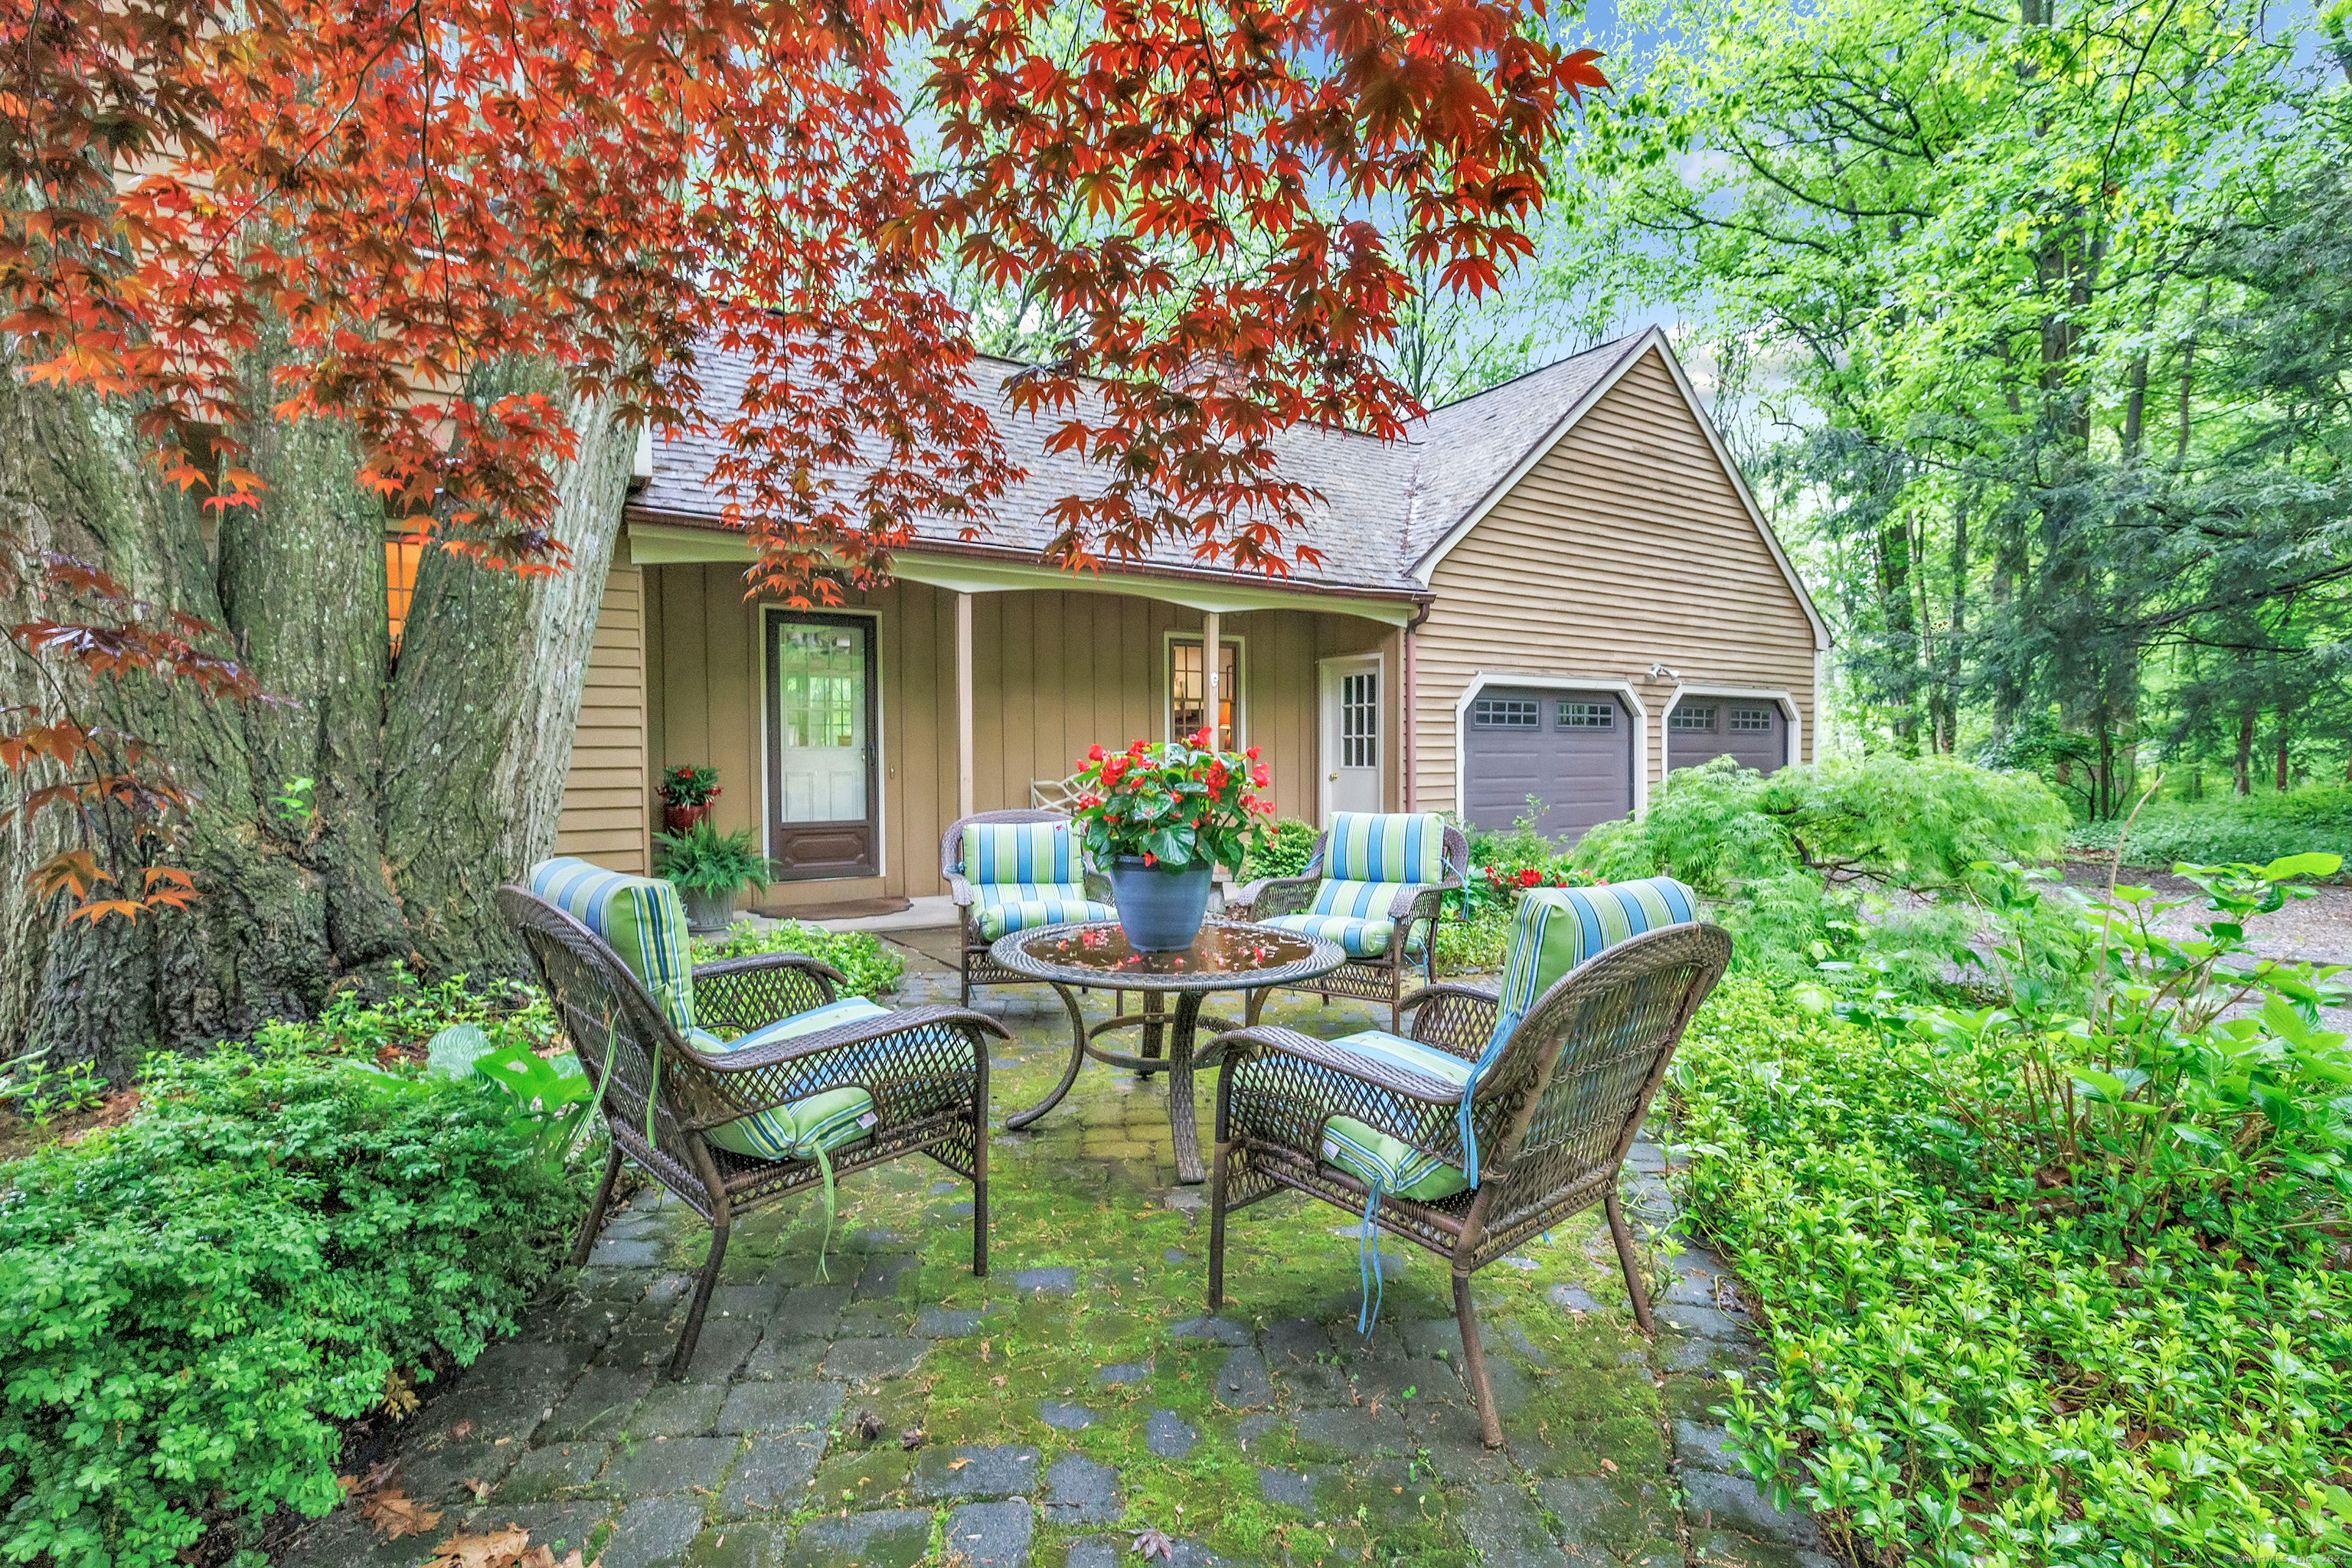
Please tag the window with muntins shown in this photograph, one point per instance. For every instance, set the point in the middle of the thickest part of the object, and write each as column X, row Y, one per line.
column 1587, row 715
column 1360, row 735
column 1749, row 720
column 1506, row 713
column 1692, row 720
column 1187, row 690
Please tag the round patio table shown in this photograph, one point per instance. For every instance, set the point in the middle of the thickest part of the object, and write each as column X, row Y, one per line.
column 1096, row 956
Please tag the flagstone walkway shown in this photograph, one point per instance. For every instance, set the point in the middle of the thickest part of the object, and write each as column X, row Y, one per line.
column 888, row 1409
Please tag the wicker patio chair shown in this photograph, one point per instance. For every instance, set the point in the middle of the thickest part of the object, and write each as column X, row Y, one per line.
column 1008, row 871
column 1376, row 885
column 1488, row 1126
column 649, row 1034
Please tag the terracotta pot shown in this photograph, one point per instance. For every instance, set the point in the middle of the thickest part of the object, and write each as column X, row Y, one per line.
column 1160, row 907
column 679, row 818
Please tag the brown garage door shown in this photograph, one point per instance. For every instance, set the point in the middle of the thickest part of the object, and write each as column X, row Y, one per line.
column 1751, row 731
column 1573, row 751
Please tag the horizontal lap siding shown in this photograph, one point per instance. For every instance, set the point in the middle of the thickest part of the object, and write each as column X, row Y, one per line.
column 1053, row 673
column 1626, row 545
column 604, row 818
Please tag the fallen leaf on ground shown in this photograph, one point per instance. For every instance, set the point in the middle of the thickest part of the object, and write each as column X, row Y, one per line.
column 958, row 1464
column 462, row 1430
column 1152, row 1541
column 481, row 1489
column 396, row 1514
column 913, row 1438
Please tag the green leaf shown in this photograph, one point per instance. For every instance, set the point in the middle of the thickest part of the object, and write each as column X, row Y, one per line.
column 453, row 1052
column 2305, row 865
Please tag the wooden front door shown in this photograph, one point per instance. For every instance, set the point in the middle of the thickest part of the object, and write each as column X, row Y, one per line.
column 824, row 752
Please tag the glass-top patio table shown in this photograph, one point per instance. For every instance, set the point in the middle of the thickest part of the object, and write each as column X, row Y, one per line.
column 1072, row 958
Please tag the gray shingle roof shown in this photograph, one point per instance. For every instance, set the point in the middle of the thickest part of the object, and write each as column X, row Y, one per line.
column 1384, row 504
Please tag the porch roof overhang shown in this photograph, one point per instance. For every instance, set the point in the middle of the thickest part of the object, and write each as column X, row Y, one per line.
column 979, row 569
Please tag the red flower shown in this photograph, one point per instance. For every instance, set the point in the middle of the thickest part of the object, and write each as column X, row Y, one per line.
column 1531, row 877
column 1149, row 858
column 1089, row 799
column 1259, row 776
column 1218, row 776
column 1095, row 752
column 1251, row 753
column 1135, row 748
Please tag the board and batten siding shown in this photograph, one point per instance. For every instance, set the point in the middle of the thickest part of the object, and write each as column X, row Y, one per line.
column 604, row 816
column 1626, row 545
column 1053, row 673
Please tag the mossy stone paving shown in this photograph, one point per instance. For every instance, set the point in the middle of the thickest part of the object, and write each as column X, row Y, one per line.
column 892, row 1409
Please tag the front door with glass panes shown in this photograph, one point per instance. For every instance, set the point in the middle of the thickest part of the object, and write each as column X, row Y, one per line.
column 823, row 788
column 1351, row 735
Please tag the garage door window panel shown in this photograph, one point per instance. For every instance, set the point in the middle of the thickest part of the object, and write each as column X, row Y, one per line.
column 1570, row 751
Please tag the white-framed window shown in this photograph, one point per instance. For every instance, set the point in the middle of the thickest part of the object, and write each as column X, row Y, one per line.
column 1506, row 713
column 1586, row 715
column 1692, row 719
column 1749, row 721
column 1188, row 690
column 1360, row 732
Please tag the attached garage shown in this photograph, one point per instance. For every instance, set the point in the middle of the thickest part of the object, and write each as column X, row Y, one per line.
column 1751, row 731
column 1572, row 751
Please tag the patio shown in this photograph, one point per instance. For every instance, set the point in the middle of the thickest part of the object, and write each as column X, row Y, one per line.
column 902, row 1411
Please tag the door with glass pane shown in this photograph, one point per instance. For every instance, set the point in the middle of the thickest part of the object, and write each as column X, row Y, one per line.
column 824, row 787
column 1351, row 735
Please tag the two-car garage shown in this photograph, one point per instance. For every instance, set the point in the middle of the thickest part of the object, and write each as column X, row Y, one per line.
column 1574, row 752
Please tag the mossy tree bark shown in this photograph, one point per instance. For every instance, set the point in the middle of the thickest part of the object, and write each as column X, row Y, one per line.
column 433, row 782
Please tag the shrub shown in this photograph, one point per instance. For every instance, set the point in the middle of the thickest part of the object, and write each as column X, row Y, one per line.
column 285, row 1236
column 1782, row 855
column 868, row 964
column 2059, row 1282
column 2256, row 828
column 1283, row 852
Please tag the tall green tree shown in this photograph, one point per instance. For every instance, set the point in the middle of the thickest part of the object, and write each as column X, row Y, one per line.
column 2049, row 307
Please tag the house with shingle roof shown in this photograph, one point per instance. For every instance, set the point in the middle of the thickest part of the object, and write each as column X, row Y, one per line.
column 1555, row 590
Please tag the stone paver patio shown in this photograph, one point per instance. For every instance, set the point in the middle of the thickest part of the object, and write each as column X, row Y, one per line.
column 892, row 1410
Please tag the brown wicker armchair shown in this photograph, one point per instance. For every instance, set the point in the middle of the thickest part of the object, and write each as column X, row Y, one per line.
column 1059, row 892
column 1377, row 973
column 1555, row 1112
column 926, row 1067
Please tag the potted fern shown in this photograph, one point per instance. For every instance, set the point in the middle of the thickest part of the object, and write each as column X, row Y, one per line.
column 709, row 870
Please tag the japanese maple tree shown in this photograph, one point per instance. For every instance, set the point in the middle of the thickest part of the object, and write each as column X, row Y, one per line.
column 446, row 255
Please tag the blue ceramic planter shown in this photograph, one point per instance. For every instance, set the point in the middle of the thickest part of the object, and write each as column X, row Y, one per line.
column 1160, row 907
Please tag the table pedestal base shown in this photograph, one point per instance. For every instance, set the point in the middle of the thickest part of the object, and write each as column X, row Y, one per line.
column 1156, row 1023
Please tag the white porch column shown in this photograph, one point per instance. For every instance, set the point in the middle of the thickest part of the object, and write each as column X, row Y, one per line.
column 1209, row 662
column 963, row 704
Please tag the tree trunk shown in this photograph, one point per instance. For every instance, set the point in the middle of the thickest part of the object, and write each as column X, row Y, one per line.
column 2281, row 759
column 431, row 785
column 2244, row 775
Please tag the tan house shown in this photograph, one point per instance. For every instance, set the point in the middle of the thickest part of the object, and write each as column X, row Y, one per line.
column 1558, row 588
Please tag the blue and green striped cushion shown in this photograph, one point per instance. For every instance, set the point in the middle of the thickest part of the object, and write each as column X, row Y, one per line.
column 1388, row 1164
column 998, row 910
column 803, row 1127
column 1385, row 847
column 1358, row 900
column 1357, row 938
column 1557, row 929
column 640, row 919
column 1020, row 854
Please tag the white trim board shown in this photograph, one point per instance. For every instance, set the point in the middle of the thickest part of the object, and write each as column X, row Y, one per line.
column 1622, row 689
column 1424, row 568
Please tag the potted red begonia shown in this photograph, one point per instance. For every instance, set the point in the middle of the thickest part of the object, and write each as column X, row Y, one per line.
column 1159, row 820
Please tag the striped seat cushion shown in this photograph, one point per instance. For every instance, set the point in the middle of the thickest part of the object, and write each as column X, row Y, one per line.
column 1025, row 875
column 803, row 1129
column 999, row 911
column 1385, row 847
column 641, row 919
column 1388, row 1164
column 1358, row 938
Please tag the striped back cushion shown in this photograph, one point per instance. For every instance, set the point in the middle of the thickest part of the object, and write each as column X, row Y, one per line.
column 1386, row 847
column 1559, row 927
column 640, row 917
column 1021, row 854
